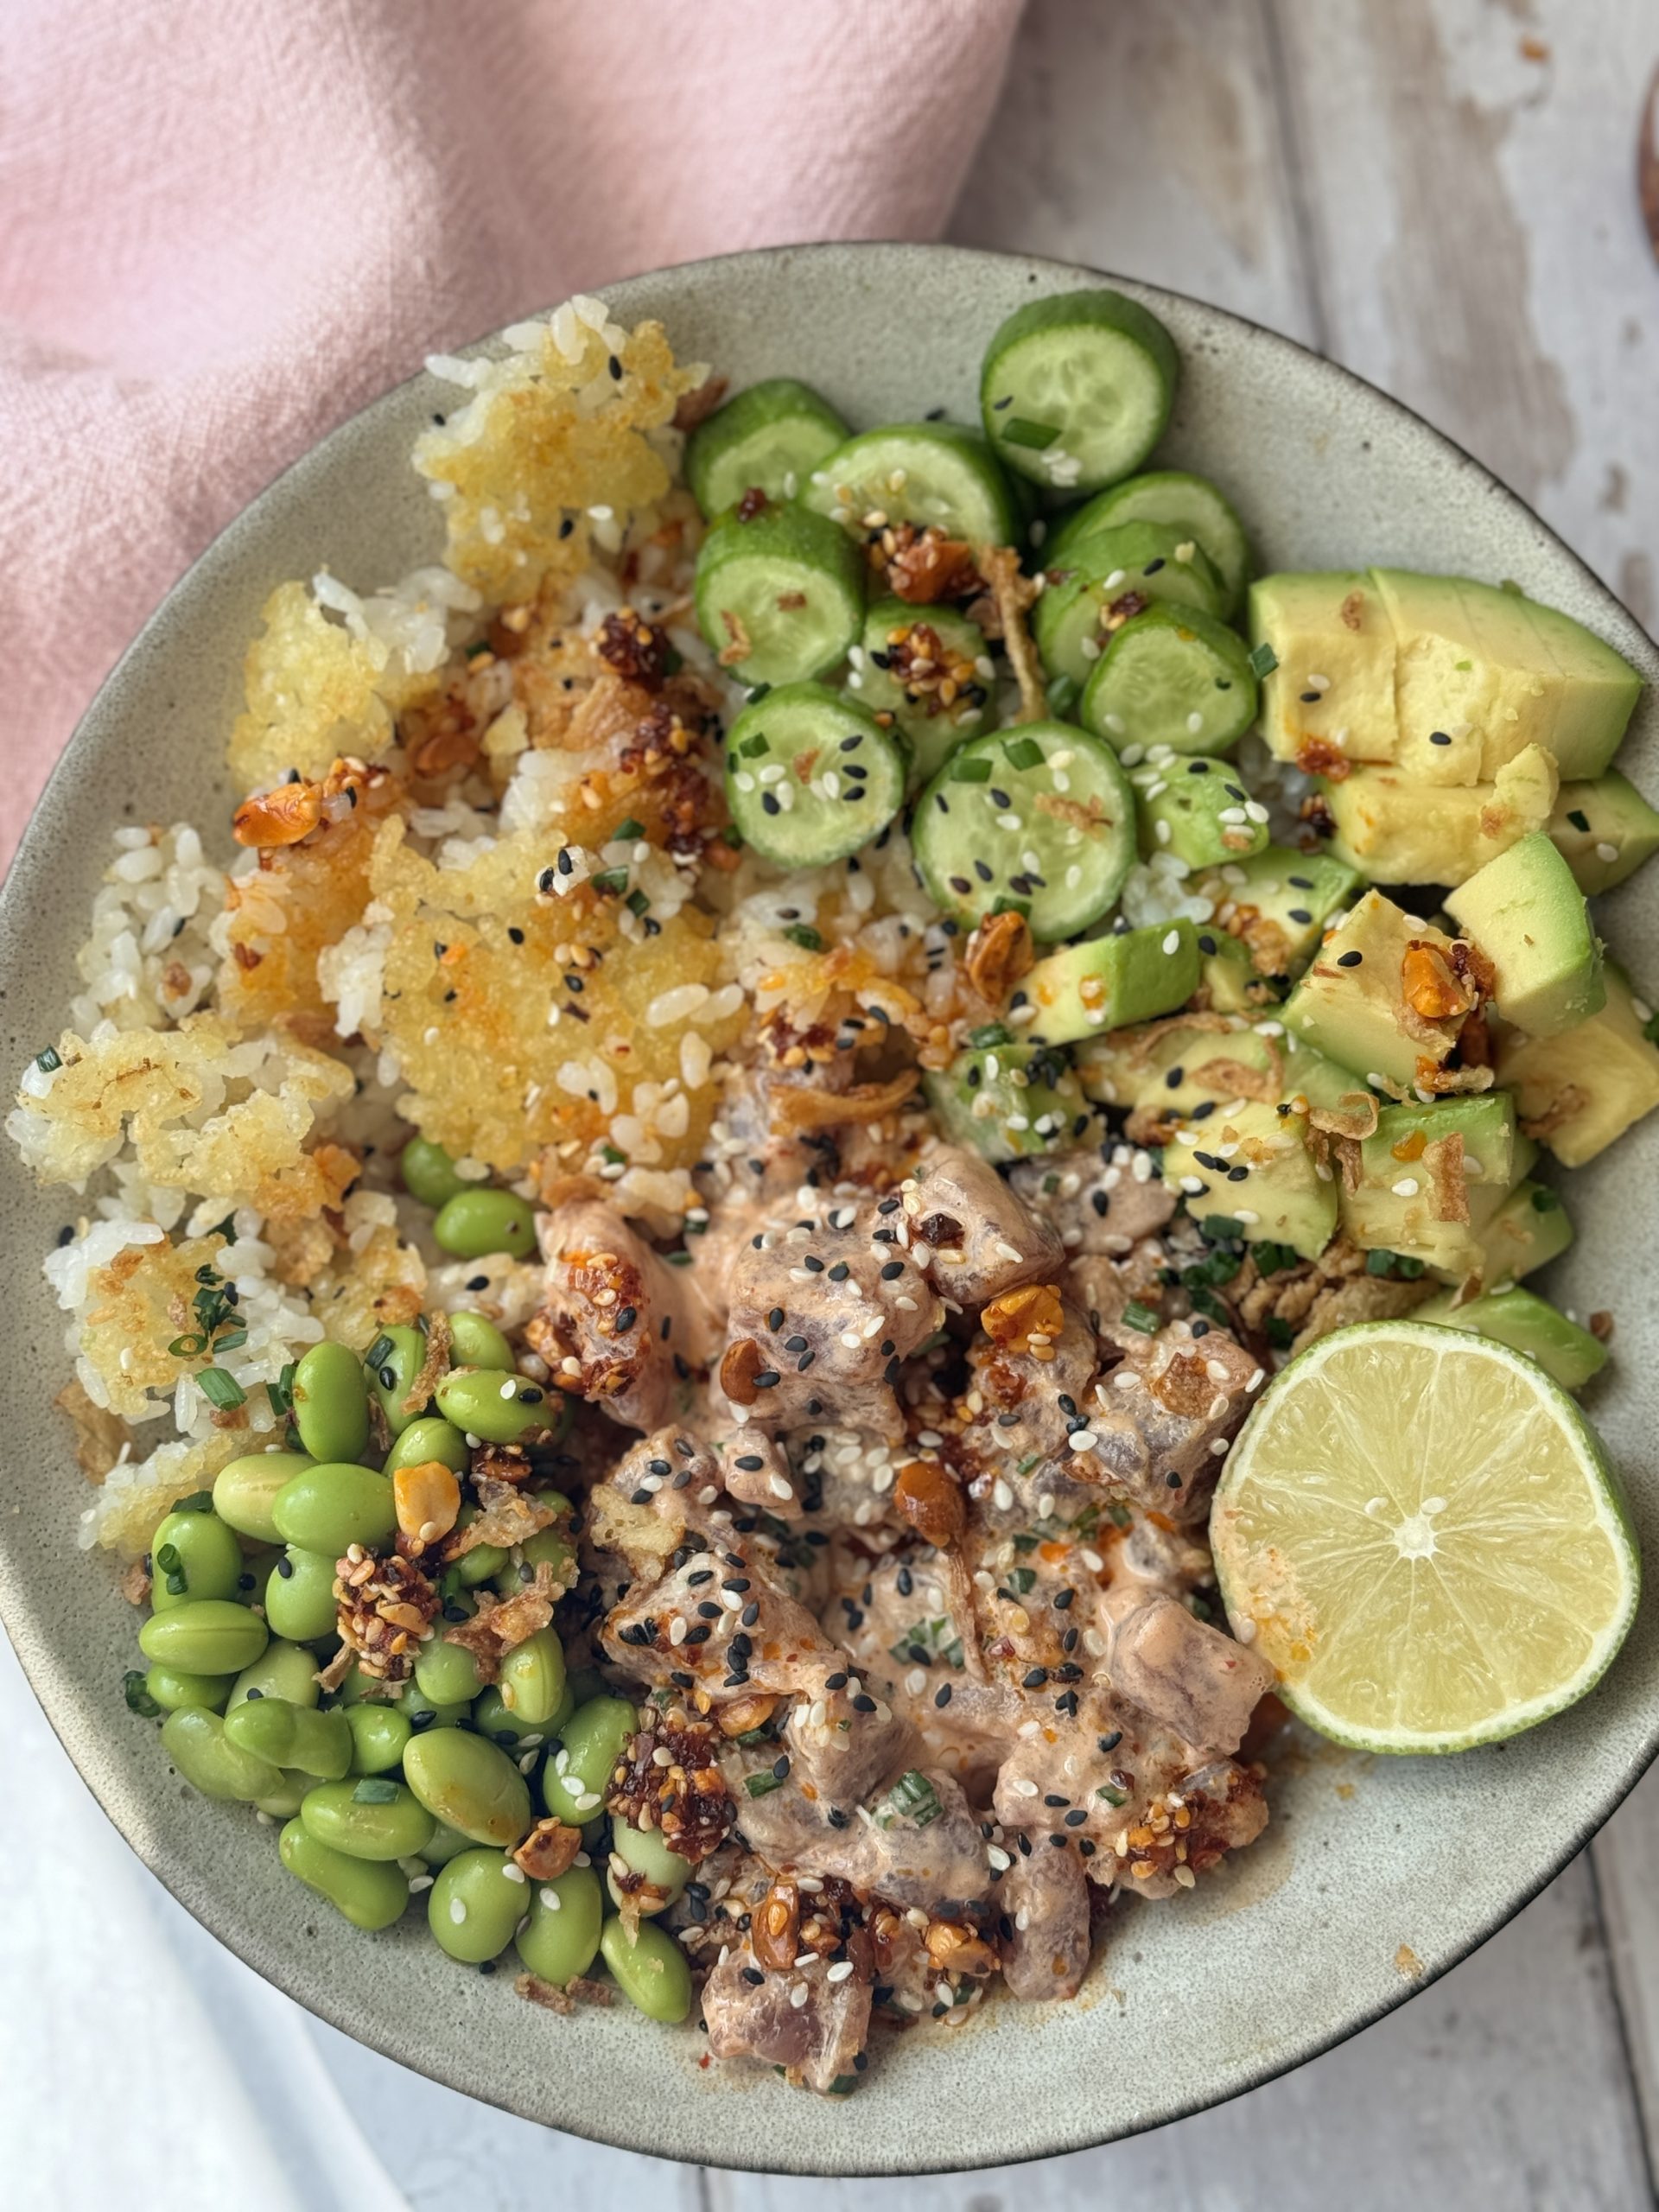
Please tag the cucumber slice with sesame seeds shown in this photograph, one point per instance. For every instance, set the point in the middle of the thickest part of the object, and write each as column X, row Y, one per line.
column 1197, row 808
column 779, row 597
column 932, row 474
column 1188, row 503
column 1172, row 676
column 1008, row 1102
column 1038, row 818
column 1076, row 391
column 810, row 777
column 929, row 667
column 1108, row 579
column 769, row 439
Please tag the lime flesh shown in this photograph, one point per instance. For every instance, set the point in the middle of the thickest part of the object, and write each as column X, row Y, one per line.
column 1421, row 1533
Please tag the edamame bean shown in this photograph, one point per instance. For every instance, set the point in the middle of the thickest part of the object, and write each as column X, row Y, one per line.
column 426, row 1439
column 477, row 1901
column 561, row 1940
column 491, row 1718
column 650, row 1970
column 195, row 1741
column 447, row 1843
column 282, row 1670
column 499, row 1407
column 372, row 1818
column 644, row 1850
column 331, row 1402
column 549, row 1545
column 204, row 1636
column 173, row 1690
column 422, row 1714
column 477, row 1222
column 370, row 1895
column 532, row 1677
column 429, row 1172
column 448, row 1673
column 474, row 1341
column 192, row 1555
column 284, row 1804
column 245, row 1490
column 472, row 1784
column 379, row 1735
column 483, row 1562
column 575, row 1778
column 318, row 1743
column 334, row 1504
column 300, row 1595
column 392, row 1362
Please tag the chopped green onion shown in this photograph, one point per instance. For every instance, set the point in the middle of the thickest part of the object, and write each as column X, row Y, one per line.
column 625, row 832
column 1063, row 695
column 138, row 1697
column 221, row 1389
column 1036, row 437
column 375, row 1789
column 1021, row 1578
column 612, row 879
column 1264, row 659
column 48, row 1061
column 613, row 1157
column 1023, row 752
column 1119, row 1797
column 972, row 768
column 986, row 1035
column 379, row 1352
column 1137, row 1316
column 752, row 748
column 1545, row 1200
column 281, row 1392
column 1281, row 1335
column 638, row 904
column 761, row 1785
column 807, row 938
column 187, row 1347
column 912, row 1798
column 757, row 692
column 199, row 1501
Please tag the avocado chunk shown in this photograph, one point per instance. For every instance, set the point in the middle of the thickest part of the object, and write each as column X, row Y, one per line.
column 1605, row 829
column 1332, row 690
column 1278, row 901
column 1353, row 1004
column 1180, row 1068
column 1250, row 1163
column 1395, row 829
column 1579, row 1090
column 1109, row 982
column 1528, row 915
column 1530, row 1229
column 1227, row 974
column 1195, row 807
column 1600, row 690
column 1568, row 1354
column 1423, row 1173
column 1006, row 1100
column 927, row 667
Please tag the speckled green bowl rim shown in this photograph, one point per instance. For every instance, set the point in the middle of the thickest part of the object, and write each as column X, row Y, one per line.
column 940, row 2102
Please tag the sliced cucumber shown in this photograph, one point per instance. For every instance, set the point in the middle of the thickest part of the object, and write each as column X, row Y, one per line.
column 810, row 777
column 781, row 597
column 932, row 474
column 1076, row 391
column 1039, row 819
column 1197, row 808
column 1172, row 676
column 1109, row 579
column 928, row 668
column 769, row 438
column 1109, row 981
column 1189, row 504
column 1007, row 1100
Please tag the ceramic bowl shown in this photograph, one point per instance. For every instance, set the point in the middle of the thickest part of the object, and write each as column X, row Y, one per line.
column 1375, row 1876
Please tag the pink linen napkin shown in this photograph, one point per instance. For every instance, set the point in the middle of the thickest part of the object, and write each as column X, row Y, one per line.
column 223, row 228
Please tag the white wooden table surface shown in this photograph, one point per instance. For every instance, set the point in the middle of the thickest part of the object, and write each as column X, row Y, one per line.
column 1441, row 194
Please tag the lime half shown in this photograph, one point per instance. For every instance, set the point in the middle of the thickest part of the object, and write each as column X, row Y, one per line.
column 1421, row 1533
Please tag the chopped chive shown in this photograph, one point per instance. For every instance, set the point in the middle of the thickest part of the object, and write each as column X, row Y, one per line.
column 1023, row 752
column 221, row 1389
column 986, row 1035
column 612, row 879
column 1020, row 430
column 761, row 1785
column 138, row 1697
column 808, row 939
column 971, row 768
column 625, row 832
column 1264, row 659
column 375, row 1789
column 376, row 1355
column 281, row 1392
column 638, row 904
column 1137, row 1316
column 48, row 1061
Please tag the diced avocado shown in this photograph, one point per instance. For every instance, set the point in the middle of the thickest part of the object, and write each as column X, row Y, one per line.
column 1333, row 686
column 1251, row 1165
column 926, row 667
column 1397, row 1205
column 1195, row 807
column 1171, row 1068
column 1309, row 1077
column 1278, row 901
column 1474, row 683
column 1108, row 982
column 1528, row 915
column 1600, row 690
column 1605, row 829
column 1004, row 1101
column 1530, row 1229
column 1395, row 829
column 1583, row 1087
column 1351, row 1004
column 1227, row 974
column 1568, row 1354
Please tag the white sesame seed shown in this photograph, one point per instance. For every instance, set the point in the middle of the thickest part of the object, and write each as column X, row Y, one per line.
column 1407, row 1187
column 1606, row 852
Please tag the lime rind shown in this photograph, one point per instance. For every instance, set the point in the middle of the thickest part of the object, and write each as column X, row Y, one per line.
column 1260, row 1584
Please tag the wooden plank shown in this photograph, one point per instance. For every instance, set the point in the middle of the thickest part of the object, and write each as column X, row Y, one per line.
column 1624, row 1857
column 1145, row 141
column 1501, row 2084
column 1469, row 178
